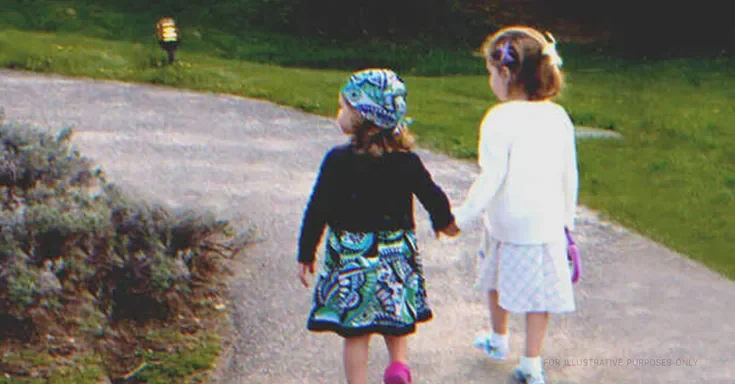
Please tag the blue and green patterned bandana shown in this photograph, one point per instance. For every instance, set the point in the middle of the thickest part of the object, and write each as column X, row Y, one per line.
column 380, row 97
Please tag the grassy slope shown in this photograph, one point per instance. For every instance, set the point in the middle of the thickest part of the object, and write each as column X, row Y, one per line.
column 673, row 178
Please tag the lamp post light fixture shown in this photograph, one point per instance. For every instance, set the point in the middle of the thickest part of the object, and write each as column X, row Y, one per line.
column 168, row 36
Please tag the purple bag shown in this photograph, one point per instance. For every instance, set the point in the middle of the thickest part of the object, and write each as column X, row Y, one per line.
column 575, row 263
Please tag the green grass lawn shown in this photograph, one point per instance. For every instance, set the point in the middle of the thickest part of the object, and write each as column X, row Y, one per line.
column 672, row 178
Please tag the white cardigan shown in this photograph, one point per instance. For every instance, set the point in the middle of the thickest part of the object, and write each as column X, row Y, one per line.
column 528, row 185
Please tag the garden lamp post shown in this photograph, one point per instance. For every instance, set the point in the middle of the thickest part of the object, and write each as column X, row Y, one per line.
column 168, row 36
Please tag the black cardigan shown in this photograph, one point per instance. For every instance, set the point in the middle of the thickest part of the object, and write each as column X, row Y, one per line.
column 359, row 193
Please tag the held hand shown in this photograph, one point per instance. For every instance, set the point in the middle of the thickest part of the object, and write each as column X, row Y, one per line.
column 305, row 268
column 451, row 230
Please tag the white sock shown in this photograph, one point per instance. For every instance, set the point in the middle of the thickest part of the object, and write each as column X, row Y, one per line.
column 500, row 341
column 531, row 365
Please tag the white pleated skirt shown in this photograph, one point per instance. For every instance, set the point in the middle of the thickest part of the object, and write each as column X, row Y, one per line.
column 528, row 278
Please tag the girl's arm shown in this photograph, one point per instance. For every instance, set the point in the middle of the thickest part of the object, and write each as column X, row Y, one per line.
column 493, row 154
column 315, row 216
column 571, row 178
column 432, row 197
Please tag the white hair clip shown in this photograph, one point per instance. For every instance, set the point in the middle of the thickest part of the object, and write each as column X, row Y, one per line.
column 550, row 50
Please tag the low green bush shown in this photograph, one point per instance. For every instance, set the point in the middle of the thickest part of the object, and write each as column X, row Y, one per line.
column 80, row 260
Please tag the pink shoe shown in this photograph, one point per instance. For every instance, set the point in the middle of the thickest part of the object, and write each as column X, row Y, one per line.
column 397, row 373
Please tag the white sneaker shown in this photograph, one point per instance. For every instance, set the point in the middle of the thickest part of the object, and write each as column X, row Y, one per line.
column 495, row 352
column 527, row 378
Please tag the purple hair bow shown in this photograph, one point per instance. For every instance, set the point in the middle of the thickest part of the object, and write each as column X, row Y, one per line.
column 506, row 56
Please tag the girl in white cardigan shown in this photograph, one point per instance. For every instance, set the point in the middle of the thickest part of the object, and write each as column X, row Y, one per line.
column 526, row 194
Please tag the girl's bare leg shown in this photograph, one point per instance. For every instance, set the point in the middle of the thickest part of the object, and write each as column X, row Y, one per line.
column 356, row 359
column 397, row 348
column 498, row 315
column 536, row 325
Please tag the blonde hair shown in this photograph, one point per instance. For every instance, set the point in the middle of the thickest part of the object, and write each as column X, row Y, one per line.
column 369, row 138
column 533, row 69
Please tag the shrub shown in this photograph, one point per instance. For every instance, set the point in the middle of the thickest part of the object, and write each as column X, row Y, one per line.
column 77, row 255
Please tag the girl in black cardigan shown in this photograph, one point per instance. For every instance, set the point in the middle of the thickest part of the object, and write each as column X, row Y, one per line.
column 371, row 280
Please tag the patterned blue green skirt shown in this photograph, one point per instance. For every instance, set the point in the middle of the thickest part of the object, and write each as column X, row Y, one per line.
column 370, row 283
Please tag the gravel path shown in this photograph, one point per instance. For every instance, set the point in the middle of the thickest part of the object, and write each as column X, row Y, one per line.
column 646, row 314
